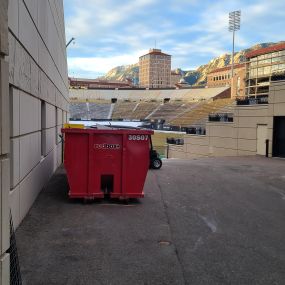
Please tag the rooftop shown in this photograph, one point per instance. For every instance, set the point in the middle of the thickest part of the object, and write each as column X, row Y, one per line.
column 156, row 52
column 265, row 50
column 98, row 80
column 228, row 67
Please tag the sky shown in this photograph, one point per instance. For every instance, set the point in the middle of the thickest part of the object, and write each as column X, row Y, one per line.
column 109, row 33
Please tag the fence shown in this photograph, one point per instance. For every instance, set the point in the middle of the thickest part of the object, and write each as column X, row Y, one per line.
column 252, row 101
column 221, row 117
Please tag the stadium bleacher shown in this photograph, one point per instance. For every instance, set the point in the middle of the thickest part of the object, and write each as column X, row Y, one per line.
column 170, row 110
column 123, row 110
column 78, row 111
column 87, row 111
column 199, row 114
column 175, row 107
column 99, row 111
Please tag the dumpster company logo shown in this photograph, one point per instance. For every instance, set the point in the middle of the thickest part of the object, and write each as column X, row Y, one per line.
column 106, row 146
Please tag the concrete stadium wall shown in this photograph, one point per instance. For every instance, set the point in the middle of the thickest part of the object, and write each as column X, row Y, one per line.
column 226, row 139
column 276, row 107
column 38, row 95
column 4, row 147
column 147, row 95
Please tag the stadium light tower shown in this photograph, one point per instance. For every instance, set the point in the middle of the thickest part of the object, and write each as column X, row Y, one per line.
column 234, row 25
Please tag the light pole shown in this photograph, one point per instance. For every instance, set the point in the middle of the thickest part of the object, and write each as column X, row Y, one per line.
column 70, row 41
column 234, row 25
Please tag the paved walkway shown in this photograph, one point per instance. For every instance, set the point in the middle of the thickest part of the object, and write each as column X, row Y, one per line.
column 204, row 221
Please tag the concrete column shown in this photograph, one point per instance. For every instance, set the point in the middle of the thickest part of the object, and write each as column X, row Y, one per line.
column 4, row 147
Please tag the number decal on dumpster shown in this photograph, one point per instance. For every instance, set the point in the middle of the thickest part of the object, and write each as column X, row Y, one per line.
column 138, row 137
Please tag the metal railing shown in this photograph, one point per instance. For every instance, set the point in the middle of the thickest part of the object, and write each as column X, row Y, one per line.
column 252, row 101
column 221, row 117
column 195, row 130
column 175, row 141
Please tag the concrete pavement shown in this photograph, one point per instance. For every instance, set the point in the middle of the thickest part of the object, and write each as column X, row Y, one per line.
column 203, row 221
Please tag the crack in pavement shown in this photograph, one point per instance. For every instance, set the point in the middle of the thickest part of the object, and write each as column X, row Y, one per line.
column 169, row 226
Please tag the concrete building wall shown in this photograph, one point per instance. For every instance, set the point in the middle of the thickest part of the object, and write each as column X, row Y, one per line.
column 226, row 139
column 4, row 146
column 38, row 97
column 252, row 125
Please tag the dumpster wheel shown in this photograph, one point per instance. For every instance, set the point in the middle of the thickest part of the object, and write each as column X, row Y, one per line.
column 156, row 163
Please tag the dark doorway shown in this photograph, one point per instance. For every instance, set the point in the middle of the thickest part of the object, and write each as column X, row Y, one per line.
column 279, row 137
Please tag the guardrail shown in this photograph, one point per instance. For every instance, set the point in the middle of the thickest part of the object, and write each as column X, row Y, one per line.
column 175, row 141
column 195, row 130
column 221, row 117
column 252, row 101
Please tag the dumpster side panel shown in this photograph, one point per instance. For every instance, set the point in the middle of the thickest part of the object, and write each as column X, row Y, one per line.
column 136, row 164
column 76, row 163
column 107, row 164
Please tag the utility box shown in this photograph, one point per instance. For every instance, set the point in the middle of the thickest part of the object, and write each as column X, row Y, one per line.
column 111, row 162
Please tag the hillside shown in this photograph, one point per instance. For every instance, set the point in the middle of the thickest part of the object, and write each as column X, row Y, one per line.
column 193, row 77
column 123, row 72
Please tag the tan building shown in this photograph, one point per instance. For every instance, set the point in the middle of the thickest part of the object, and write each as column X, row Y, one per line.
column 175, row 78
column 155, row 69
column 264, row 66
column 222, row 77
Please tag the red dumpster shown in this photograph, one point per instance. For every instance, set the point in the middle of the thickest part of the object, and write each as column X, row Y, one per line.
column 106, row 161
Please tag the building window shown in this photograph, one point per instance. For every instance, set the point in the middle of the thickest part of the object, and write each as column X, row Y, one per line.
column 253, row 72
column 267, row 70
column 260, row 71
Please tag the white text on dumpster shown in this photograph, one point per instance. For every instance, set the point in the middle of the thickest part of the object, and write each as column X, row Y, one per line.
column 138, row 137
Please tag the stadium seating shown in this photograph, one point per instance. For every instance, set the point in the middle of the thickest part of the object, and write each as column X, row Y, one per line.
column 170, row 110
column 78, row 111
column 99, row 111
column 143, row 109
column 123, row 110
column 87, row 111
column 199, row 114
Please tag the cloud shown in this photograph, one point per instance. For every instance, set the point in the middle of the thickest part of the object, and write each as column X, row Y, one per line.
column 79, row 24
column 110, row 32
column 101, row 65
